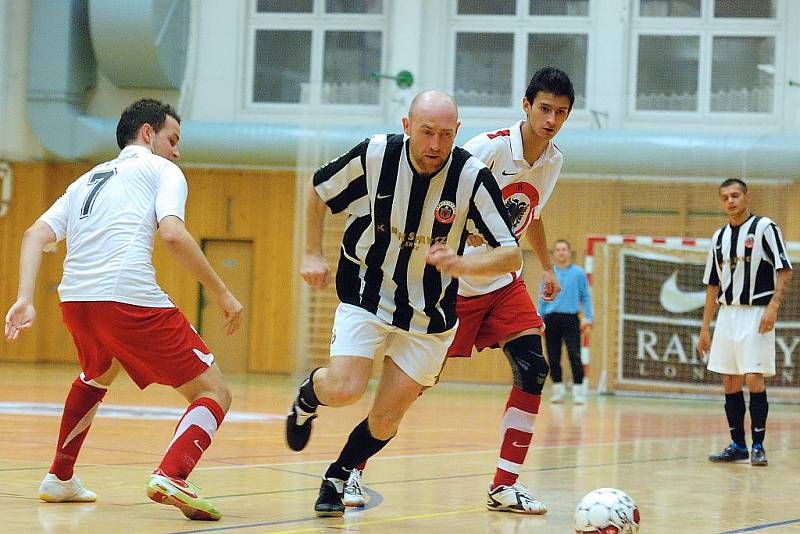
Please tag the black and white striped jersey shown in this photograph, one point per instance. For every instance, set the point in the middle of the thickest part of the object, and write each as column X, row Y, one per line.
column 743, row 261
column 394, row 216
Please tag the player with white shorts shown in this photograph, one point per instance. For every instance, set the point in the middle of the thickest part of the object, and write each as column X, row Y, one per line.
column 497, row 311
column 747, row 274
column 408, row 198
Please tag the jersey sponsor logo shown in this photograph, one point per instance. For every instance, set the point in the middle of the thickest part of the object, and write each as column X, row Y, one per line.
column 675, row 300
column 445, row 212
column 750, row 240
column 521, row 199
column 414, row 240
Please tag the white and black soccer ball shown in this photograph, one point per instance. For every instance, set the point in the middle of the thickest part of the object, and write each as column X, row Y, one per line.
column 607, row 511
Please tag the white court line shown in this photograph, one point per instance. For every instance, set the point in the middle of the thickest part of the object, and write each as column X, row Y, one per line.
column 128, row 412
column 453, row 453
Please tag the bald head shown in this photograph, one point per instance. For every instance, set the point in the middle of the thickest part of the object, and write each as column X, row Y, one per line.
column 431, row 125
column 435, row 102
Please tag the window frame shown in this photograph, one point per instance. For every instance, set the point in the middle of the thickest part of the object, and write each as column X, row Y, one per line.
column 520, row 26
column 706, row 27
column 318, row 22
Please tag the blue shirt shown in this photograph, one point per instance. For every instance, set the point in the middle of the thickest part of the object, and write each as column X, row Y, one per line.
column 574, row 293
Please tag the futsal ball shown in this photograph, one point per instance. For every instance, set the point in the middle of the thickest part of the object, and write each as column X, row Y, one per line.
column 607, row 511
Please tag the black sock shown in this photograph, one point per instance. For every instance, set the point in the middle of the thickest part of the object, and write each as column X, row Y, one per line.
column 759, row 407
column 360, row 447
column 734, row 409
column 307, row 399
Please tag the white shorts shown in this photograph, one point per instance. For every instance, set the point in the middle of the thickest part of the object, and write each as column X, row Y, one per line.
column 357, row 332
column 737, row 347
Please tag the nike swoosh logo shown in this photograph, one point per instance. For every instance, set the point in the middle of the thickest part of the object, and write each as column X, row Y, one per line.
column 197, row 443
column 521, row 446
column 758, row 429
column 381, row 197
column 189, row 493
column 181, row 486
column 208, row 359
column 675, row 300
column 504, row 173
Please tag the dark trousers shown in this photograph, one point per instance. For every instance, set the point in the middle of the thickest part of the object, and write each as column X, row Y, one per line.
column 566, row 328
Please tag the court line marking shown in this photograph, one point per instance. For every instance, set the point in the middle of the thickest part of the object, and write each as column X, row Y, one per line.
column 668, row 439
column 125, row 411
column 355, row 524
column 763, row 527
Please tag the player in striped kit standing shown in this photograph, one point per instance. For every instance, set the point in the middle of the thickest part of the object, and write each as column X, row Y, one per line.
column 408, row 198
column 497, row 311
column 747, row 274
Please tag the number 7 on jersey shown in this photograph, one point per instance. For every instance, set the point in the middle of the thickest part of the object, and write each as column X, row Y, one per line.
column 96, row 182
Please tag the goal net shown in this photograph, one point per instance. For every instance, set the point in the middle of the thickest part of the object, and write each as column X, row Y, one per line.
column 648, row 297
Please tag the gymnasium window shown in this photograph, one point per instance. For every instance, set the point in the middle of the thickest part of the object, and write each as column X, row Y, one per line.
column 706, row 56
column 316, row 52
column 499, row 44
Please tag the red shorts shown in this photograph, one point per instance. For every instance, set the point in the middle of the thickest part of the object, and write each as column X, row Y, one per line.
column 486, row 320
column 153, row 345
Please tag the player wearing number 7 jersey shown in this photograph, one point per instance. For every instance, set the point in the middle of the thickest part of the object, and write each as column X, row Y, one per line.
column 117, row 314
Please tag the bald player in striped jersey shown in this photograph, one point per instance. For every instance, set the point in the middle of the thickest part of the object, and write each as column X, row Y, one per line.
column 409, row 198
column 497, row 311
column 747, row 274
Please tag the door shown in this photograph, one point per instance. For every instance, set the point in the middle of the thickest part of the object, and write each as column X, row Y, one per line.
column 233, row 261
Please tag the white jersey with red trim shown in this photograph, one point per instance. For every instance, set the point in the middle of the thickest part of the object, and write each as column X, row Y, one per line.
column 109, row 217
column 526, row 189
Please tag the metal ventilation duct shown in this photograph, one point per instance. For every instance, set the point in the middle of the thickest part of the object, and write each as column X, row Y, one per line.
column 140, row 43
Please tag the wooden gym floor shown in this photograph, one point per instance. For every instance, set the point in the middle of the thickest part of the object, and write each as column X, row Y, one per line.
column 431, row 479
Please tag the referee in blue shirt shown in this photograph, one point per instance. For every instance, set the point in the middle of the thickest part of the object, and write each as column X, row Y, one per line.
column 562, row 324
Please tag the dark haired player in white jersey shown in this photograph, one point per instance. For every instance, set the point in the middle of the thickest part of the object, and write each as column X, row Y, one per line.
column 747, row 275
column 409, row 198
column 118, row 315
column 497, row 310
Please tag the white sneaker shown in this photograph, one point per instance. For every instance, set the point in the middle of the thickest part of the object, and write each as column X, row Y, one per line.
column 52, row 489
column 514, row 498
column 353, row 496
column 578, row 394
column 558, row 393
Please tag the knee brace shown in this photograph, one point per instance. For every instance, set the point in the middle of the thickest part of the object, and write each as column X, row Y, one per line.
column 527, row 363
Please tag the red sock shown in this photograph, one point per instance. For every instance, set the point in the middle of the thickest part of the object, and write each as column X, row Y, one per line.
column 362, row 465
column 79, row 409
column 193, row 436
column 517, row 432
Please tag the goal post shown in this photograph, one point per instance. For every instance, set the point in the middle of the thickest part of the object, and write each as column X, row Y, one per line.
column 648, row 298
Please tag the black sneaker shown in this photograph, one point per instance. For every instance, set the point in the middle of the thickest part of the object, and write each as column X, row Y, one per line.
column 298, row 427
column 329, row 503
column 758, row 456
column 731, row 453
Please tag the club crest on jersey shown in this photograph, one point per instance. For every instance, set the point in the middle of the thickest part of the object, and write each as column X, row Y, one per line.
column 445, row 212
column 521, row 199
column 750, row 240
